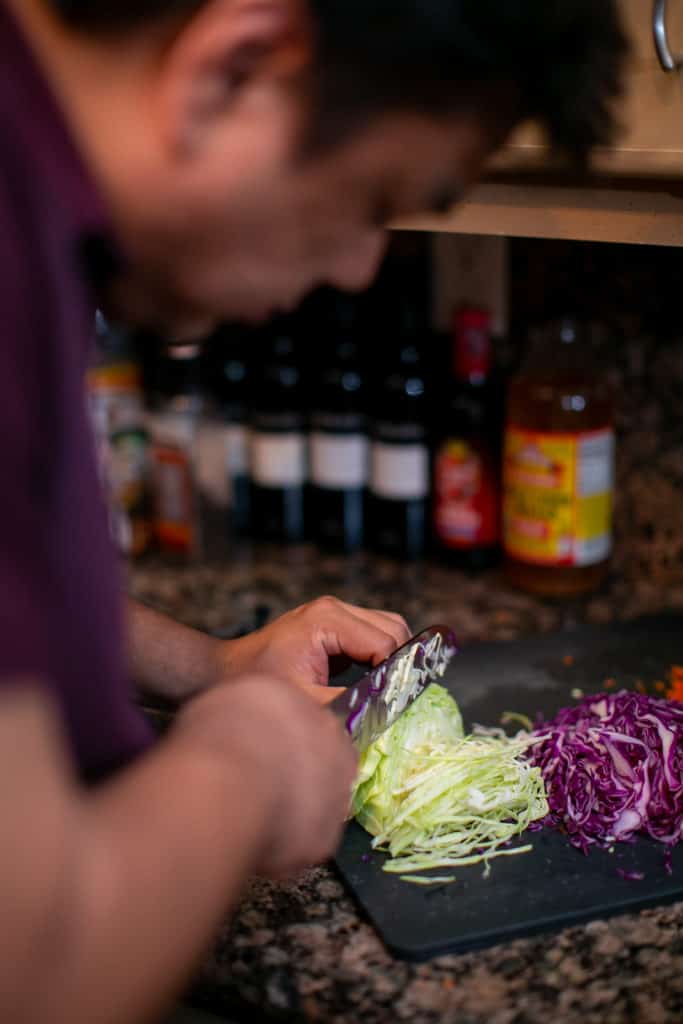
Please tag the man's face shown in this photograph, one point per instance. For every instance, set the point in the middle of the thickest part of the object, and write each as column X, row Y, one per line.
column 250, row 227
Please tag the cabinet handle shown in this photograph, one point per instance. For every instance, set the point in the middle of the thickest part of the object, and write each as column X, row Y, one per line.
column 667, row 59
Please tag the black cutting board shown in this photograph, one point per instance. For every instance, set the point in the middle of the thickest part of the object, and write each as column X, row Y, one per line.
column 554, row 886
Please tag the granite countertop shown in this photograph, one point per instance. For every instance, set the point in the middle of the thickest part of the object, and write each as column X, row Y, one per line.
column 301, row 952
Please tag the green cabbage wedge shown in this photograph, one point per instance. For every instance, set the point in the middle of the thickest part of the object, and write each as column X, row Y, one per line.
column 435, row 798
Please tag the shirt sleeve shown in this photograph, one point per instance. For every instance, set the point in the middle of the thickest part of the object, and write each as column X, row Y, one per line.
column 25, row 596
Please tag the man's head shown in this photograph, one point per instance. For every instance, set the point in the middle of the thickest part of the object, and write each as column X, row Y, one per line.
column 253, row 149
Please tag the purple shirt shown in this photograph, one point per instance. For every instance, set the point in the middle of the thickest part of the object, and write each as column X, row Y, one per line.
column 61, row 611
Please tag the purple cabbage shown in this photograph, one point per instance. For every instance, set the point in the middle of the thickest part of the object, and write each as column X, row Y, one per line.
column 613, row 768
column 630, row 876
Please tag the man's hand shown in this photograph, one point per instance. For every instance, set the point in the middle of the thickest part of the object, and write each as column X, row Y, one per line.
column 295, row 761
column 174, row 661
column 298, row 646
column 116, row 891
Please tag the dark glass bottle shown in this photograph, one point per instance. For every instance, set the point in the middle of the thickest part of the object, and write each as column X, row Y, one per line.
column 466, row 505
column 399, row 452
column 339, row 447
column 277, row 438
column 227, row 372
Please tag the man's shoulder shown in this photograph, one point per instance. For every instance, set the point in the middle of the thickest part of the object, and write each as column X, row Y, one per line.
column 20, row 255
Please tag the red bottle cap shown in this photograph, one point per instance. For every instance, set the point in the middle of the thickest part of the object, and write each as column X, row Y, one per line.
column 472, row 350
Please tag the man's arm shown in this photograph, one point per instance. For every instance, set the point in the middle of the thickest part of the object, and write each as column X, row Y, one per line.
column 169, row 659
column 177, row 662
column 110, row 898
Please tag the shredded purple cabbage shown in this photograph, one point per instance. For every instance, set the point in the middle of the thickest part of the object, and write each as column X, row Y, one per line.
column 613, row 767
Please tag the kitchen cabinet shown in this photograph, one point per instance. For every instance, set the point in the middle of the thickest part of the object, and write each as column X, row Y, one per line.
column 651, row 112
column 635, row 193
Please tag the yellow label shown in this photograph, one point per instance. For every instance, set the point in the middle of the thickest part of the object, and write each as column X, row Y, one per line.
column 557, row 503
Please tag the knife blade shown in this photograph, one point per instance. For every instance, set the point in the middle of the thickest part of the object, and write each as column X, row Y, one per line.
column 370, row 706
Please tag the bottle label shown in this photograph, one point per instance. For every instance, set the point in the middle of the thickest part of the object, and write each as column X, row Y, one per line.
column 558, row 489
column 339, row 462
column 236, row 450
column 277, row 460
column 472, row 356
column 399, row 472
column 222, row 456
column 175, row 499
column 210, row 475
column 466, row 496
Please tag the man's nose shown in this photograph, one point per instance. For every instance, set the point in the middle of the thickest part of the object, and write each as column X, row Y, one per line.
column 354, row 268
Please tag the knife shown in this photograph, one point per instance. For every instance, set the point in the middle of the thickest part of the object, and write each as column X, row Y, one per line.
column 370, row 706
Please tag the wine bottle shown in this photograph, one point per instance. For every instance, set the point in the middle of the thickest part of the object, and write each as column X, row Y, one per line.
column 399, row 462
column 339, row 442
column 277, row 439
column 227, row 372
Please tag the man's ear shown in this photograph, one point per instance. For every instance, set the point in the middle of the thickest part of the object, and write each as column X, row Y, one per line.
column 228, row 47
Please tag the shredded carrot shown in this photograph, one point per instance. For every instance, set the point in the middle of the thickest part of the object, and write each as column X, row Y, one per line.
column 675, row 689
column 640, row 686
column 660, row 687
column 568, row 660
column 609, row 683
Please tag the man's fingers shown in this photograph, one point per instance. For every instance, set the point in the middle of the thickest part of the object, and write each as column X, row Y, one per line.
column 386, row 622
column 400, row 622
column 381, row 615
column 356, row 636
column 312, row 642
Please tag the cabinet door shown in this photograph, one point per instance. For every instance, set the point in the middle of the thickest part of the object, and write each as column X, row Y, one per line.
column 651, row 113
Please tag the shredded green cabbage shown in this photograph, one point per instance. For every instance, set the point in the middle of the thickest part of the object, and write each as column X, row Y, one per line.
column 435, row 798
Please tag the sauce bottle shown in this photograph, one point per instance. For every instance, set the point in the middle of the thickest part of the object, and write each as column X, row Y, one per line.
column 558, row 473
column 116, row 402
column 174, row 428
column 466, row 516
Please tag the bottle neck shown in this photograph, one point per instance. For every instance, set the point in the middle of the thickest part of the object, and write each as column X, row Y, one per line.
column 560, row 347
column 472, row 349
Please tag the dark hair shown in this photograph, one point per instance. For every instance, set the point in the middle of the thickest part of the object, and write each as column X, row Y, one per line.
column 556, row 61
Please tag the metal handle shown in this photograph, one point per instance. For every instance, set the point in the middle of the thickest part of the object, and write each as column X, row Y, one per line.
column 667, row 59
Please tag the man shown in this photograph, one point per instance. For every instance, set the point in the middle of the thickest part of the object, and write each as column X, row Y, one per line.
column 179, row 162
